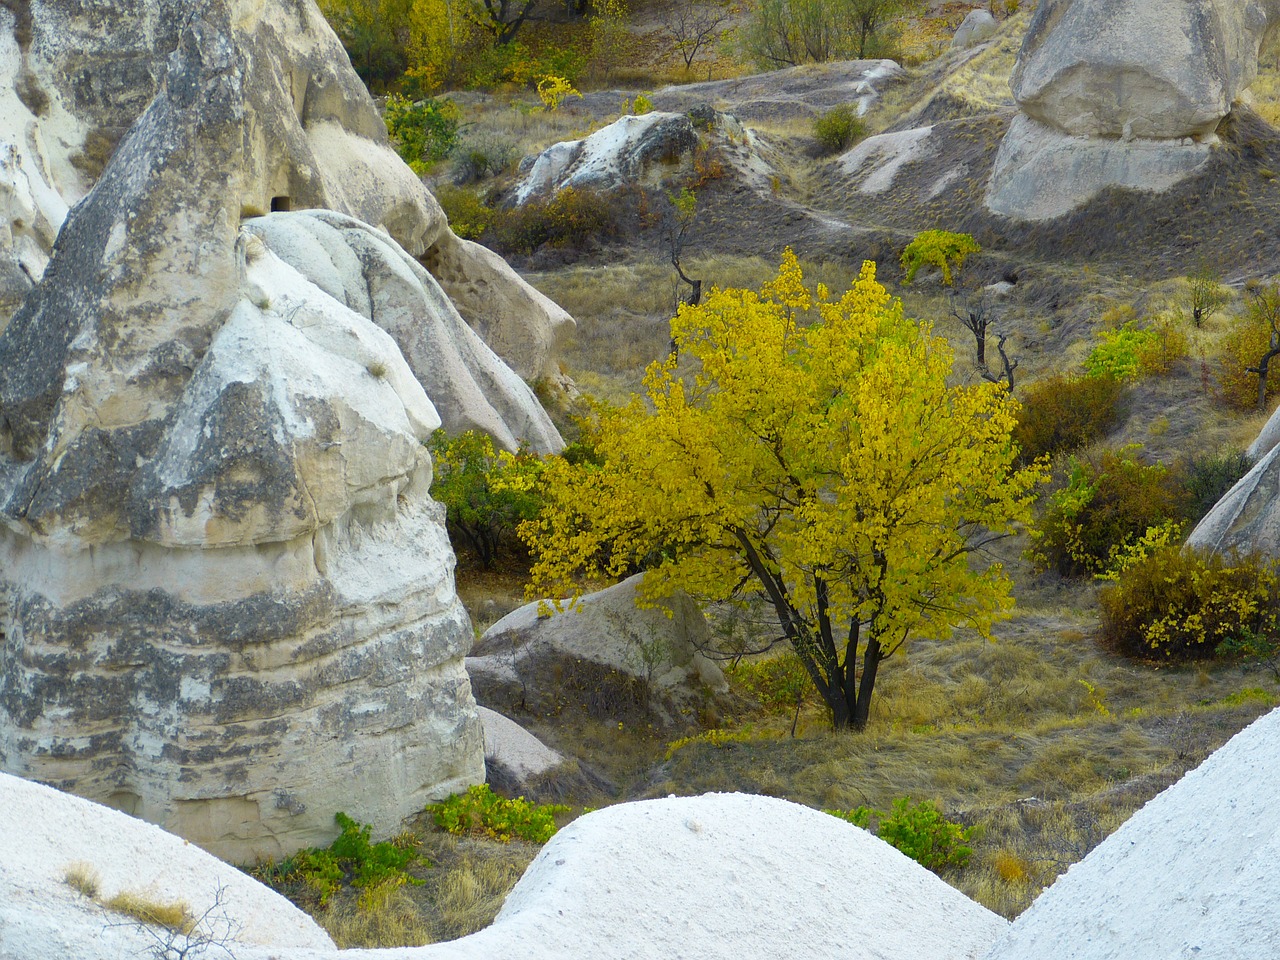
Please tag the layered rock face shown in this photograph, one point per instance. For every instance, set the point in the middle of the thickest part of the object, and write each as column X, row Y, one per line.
column 82, row 74
column 1122, row 93
column 226, row 596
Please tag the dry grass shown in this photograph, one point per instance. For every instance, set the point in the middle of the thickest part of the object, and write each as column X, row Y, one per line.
column 384, row 916
column 151, row 911
column 983, row 82
column 83, row 878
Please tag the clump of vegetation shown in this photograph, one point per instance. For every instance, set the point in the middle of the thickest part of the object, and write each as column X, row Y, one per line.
column 784, row 33
column 481, row 811
column 779, row 683
column 316, row 874
column 152, row 912
column 573, row 218
column 1060, row 414
column 1132, row 351
column 714, row 738
column 553, row 91
column 918, row 830
column 1247, row 375
column 839, row 128
column 486, row 493
column 424, row 131
column 1185, row 603
column 469, row 216
column 941, row 249
column 480, row 156
column 83, row 879
column 1102, row 509
column 1206, row 479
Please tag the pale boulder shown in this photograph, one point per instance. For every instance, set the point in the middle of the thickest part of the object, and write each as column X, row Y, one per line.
column 978, row 27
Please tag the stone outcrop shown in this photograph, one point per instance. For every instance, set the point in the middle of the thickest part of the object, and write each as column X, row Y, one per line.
column 83, row 74
column 226, row 595
column 646, row 150
column 604, row 654
column 1121, row 93
column 978, row 27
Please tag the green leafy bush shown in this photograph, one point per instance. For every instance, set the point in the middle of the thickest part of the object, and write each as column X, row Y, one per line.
column 1120, row 352
column 780, row 683
column 480, row 156
column 316, row 874
column 918, row 830
column 486, row 493
column 481, row 811
column 1185, row 603
column 424, row 131
column 1103, row 509
column 468, row 215
column 571, row 218
column 1060, row 414
column 941, row 249
column 839, row 128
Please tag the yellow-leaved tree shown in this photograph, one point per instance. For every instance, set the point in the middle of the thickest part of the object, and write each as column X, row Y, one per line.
column 813, row 456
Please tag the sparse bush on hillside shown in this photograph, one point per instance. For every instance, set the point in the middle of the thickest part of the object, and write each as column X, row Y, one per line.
column 1061, row 413
column 1132, row 351
column 1207, row 478
column 480, row 156
column 1103, row 509
column 1247, row 374
column 786, row 33
column 839, row 128
column 1185, row 603
column 572, row 218
column 918, row 830
column 940, row 249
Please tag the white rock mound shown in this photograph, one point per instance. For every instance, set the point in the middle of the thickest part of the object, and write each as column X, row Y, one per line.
column 1192, row 874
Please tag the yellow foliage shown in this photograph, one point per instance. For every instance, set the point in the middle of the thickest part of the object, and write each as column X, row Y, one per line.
column 816, row 457
column 553, row 90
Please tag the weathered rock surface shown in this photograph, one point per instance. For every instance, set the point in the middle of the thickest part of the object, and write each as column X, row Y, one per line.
column 606, row 654
column 365, row 270
column 227, row 596
column 1144, row 83
column 83, row 74
column 644, row 150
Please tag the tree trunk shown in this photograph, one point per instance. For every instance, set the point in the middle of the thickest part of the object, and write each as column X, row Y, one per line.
column 870, row 664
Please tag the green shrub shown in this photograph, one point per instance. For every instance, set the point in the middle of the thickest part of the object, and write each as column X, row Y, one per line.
column 571, row 218
column 1102, row 510
column 942, row 249
column 468, row 215
column 839, row 128
column 780, row 683
column 1207, row 478
column 1243, row 347
column 1186, row 603
column 481, row 811
column 480, row 156
column 1061, row 414
column 486, row 494
column 316, row 874
column 918, row 830
column 1120, row 352
column 424, row 131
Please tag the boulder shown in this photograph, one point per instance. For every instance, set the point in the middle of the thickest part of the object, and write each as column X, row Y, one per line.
column 1121, row 93
column 978, row 27
column 83, row 74
column 646, row 150
column 226, row 595
column 604, row 654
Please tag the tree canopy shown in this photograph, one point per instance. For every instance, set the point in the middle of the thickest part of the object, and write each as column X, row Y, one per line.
column 808, row 451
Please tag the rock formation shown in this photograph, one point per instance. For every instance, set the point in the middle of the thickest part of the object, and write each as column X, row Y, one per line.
column 226, row 596
column 604, row 654
column 1121, row 93
column 82, row 75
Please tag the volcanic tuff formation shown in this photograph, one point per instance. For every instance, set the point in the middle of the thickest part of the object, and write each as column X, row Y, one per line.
column 226, row 596
column 1122, row 93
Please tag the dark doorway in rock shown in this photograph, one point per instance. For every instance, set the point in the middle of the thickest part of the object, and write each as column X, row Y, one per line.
column 280, row 203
